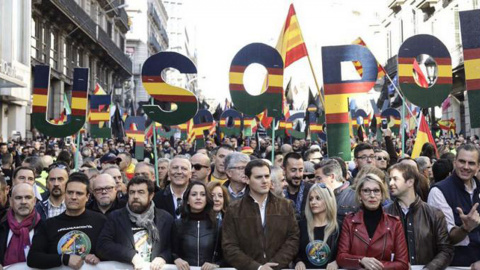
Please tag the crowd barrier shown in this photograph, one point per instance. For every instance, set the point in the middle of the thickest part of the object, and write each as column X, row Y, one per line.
column 123, row 266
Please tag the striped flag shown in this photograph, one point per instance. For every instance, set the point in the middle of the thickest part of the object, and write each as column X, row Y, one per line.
column 424, row 135
column 419, row 74
column 99, row 90
column 358, row 65
column 291, row 45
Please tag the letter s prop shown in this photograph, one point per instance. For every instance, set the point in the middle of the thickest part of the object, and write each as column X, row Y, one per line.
column 187, row 103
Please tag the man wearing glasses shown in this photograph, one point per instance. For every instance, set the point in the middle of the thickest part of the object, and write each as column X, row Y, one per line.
column 363, row 155
column 200, row 168
column 170, row 199
column 237, row 181
column 54, row 205
column 105, row 195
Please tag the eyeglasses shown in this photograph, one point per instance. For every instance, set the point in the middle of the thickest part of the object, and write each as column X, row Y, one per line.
column 198, row 167
column 322, row 185
column 240, row 168
column 367, row 191
column 58, row 165
column 103, row 189
column 372, row 157
column 381, row 158
column 309, row 176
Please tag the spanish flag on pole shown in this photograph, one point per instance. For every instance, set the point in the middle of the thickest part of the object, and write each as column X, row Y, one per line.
column 424, row 135
column 358, row 65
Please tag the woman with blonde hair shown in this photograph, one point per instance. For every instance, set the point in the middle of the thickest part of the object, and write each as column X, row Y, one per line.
column 370, row 238
column 318, row 231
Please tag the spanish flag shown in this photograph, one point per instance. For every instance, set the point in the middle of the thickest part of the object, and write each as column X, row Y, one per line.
column 358, row 65
column 290, row 43
column 424, row 135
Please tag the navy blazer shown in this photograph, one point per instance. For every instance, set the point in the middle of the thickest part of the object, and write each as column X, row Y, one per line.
column 116, row 242
column 163, row 199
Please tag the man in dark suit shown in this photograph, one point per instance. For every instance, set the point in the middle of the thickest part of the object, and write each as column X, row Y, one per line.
column 138, row 233
column 21, row 215
column 170, row 198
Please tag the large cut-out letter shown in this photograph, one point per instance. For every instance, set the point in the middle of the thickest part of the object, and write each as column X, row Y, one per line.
column 186, row 101
column 337, row 92
column 41, row 91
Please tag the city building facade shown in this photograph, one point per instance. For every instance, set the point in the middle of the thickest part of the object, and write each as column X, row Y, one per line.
column 15, row 86
column 405, row 18
column 147, row 36
column 66, row 34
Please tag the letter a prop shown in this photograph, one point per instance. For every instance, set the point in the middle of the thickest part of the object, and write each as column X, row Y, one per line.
column 187, row 103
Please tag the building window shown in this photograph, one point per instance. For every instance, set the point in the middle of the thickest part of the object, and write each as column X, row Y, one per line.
column 122, row 43
column 53, row 50
column 34, row 40
column 44, row 49
column 80, row 57
column 109, row 30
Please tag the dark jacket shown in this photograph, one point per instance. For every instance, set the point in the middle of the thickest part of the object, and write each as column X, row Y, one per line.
column 116, row 242
column 304, row 241
column 4, row 229
column 303, row 200
column 453, row 190
column 117, row 204
column 387, row 245
column 163, row 199
column 42, row 209
column 247, row 244
column 426, row 233
column 346, row 202
column 196, row 241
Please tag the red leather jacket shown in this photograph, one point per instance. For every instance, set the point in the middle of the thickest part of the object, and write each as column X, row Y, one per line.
column 387, row 245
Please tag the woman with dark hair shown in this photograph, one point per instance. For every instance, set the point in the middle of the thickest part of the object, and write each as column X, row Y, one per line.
column 428, row 150
column 197, row 234
column 371, row 239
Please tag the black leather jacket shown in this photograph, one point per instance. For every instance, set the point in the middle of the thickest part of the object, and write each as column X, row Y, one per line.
column 197, row 241
column 426, row 234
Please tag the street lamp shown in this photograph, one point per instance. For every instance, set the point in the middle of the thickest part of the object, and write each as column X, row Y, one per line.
column 431, row 67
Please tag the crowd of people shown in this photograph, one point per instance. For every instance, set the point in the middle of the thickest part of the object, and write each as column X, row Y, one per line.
column 247, row 204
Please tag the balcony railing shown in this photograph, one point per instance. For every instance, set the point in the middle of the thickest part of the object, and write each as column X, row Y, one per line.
column 153, row 13
column 97, row 35
column 155, row 44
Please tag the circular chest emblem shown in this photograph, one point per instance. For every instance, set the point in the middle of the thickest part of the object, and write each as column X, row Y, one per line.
column 74, row 242
column 317, row 254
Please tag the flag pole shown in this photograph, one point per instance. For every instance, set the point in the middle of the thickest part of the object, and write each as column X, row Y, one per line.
column 402, row 128
column 155, row 154
column 402, row 97
column 315, row 80
column 273, row 140
column 77, row 152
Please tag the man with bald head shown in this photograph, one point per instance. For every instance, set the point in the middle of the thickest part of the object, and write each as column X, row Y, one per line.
column 200, row 168
column 17, row 231
column 120, row 185
column 105, row 195
column 170, row 199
